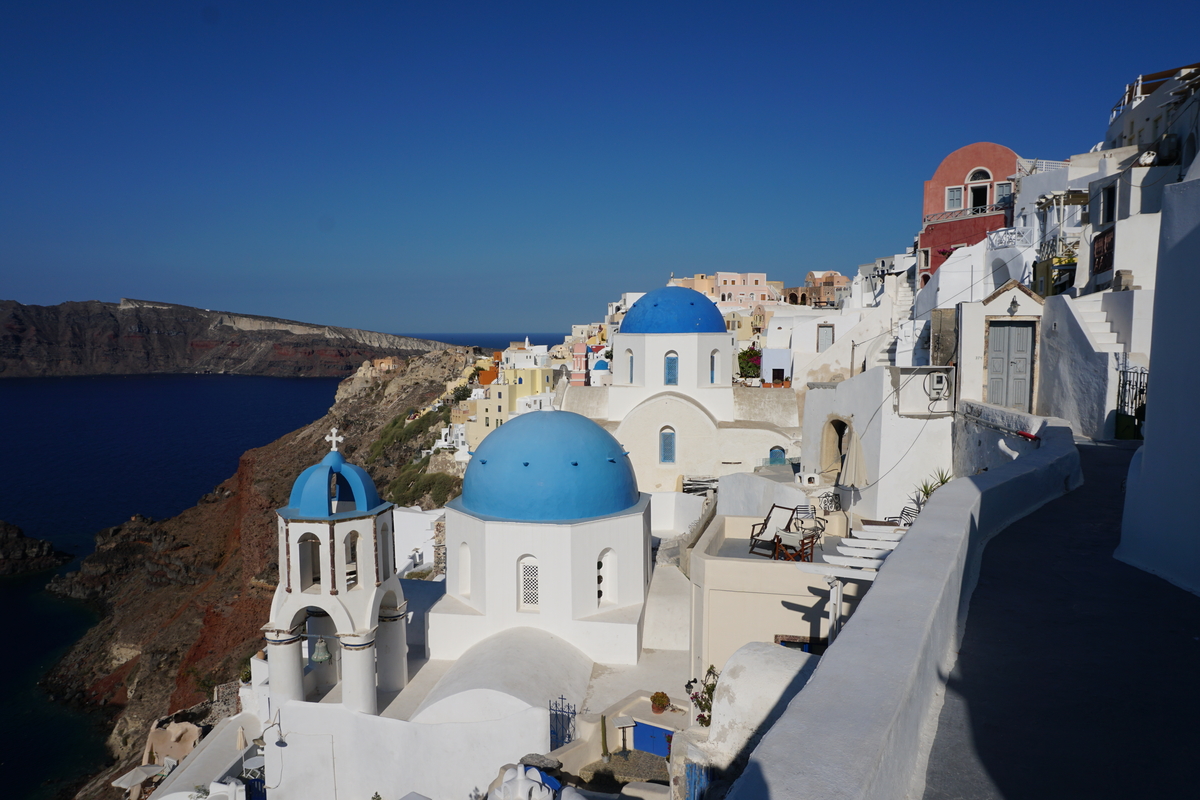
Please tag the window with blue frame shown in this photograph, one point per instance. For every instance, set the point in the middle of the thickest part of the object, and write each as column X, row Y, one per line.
column 671, row 369
column 666, row 446
column 630, row 354
column 712, row 367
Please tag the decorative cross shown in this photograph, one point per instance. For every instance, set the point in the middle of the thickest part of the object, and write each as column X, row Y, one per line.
column 334, row 440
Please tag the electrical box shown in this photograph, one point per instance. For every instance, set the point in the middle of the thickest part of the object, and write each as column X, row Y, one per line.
column 939, row 386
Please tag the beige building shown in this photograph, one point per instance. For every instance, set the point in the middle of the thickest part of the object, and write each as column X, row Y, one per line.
column 826, row 288
column 732, row 288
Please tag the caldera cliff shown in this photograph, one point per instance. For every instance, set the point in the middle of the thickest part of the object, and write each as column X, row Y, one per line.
column 184, row 599
column 136, row 337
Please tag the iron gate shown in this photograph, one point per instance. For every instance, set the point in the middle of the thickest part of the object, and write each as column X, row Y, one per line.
column 562, row 722
column 1131, row 399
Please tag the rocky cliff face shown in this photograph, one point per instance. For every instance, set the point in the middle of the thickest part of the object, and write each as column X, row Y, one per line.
column 19, row 553
column 140, row 337
column 185, row 598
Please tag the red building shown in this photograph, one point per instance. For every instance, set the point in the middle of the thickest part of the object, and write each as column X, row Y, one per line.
column 969, row 194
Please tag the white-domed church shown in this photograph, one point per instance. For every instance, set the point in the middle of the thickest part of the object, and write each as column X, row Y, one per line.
column 548, row 573
column 672, row 403
column 550, row 533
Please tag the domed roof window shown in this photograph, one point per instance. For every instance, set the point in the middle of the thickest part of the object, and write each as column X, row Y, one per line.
column 545, row 466
column 979, row 175
column 325, row 488
column 673, row 309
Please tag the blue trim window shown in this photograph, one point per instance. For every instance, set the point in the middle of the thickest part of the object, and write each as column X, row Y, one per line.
column 666, row 446
column 630, row 367
column 671, row 370
column 712, row 367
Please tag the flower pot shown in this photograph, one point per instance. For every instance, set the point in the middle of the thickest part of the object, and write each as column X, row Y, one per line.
column 657, row 710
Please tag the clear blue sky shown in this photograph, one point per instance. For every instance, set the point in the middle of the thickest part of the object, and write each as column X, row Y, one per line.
column 507, row 166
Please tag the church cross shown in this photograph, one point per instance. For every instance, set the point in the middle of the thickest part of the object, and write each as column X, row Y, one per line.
column 334, row 440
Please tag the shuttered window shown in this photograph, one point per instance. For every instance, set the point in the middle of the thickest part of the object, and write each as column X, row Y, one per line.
column 671, row 370
column 666, row 446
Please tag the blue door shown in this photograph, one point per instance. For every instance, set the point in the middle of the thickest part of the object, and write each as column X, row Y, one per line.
column 649, row 739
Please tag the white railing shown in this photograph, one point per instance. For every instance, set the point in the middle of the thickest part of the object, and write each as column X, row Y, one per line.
column 1010, row 237
column 1028, row 166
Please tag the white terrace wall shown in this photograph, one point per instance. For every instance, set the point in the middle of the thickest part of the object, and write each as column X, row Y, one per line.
column 872, row 696
column 1076, row 381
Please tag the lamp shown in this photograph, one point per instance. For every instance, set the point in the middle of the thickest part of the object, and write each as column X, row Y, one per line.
column 1013, row 307
column 320, row 653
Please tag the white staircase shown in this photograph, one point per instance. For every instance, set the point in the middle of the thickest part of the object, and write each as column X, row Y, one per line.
column 1096, row 319
column 901, row 310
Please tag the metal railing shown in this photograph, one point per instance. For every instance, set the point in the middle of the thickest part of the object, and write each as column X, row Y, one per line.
column 1028, row 166
column 974, row 211
column 1010, row 237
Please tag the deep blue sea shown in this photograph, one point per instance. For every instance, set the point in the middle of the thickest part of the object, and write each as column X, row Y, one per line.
column 82, row 454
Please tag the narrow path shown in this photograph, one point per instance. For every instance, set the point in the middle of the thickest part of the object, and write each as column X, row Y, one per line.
column 1079, row 676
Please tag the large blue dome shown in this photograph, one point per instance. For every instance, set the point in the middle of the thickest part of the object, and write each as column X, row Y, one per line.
column 673, row 309
column 311, row 497
column 547, row 466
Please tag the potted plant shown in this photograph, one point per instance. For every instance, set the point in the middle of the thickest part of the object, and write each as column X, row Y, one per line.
column 659, row 702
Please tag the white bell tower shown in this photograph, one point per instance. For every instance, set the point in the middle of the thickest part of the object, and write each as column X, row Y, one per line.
column 338, row 618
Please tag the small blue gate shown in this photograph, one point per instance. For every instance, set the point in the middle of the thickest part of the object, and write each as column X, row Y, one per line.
column 562, row 722
column 698, row 778
column 652, row 739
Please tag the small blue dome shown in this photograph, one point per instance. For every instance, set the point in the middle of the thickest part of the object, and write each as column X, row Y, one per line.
column 311, row 496
column 601, row 364
column 673, row 309
column 547, row 466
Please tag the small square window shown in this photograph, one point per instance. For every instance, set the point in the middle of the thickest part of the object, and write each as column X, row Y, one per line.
column 954, row 197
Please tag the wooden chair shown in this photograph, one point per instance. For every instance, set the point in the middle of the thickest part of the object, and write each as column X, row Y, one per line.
column 762, row 534
column 795, row 546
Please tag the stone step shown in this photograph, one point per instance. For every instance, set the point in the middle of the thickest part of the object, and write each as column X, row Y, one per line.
column 1093, row 316
column 1104, row 338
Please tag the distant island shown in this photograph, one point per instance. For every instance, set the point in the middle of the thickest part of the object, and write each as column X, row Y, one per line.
column 139, row 337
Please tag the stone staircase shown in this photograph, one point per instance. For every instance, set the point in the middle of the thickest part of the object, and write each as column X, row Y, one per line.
column 1096, row 319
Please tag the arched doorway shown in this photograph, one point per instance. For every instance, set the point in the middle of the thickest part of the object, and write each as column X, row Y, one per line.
column 804, row 299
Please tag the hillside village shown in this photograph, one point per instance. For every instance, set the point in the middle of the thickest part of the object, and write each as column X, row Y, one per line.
column 733, row 515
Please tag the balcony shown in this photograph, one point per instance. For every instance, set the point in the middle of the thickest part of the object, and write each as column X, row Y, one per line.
column 1010, row 237
column 1063, row 247
column 964, row 213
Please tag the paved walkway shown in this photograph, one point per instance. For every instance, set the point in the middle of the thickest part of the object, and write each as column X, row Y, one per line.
column 1079, row 676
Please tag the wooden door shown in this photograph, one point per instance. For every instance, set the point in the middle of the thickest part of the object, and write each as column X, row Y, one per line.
column 1010, row 365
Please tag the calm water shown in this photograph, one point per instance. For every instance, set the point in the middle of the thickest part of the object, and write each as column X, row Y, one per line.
column 84, row 454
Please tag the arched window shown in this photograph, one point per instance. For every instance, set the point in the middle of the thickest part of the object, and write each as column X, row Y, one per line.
column 666, row 446
column 712, row 366
column 777, row 455
column 606, row 578
column 979, row 175
column 352, row 542
column 671, row 369
column 308, row 551
column 464, row 569
column 804, row 299
column 629, row 355
column 527, row 584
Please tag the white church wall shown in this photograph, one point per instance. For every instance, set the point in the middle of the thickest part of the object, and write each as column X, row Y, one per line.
column 566, row 557
column 649, row 352
column 587, row 401
column 1160, row 537
column 394, row 757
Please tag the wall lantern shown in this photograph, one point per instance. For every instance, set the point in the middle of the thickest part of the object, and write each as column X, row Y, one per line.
column 1013, row 307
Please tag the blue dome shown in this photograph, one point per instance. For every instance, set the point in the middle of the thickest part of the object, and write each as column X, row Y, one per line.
column 673, row 309
column 310, row 493
column 601, row 364
column 546, row 466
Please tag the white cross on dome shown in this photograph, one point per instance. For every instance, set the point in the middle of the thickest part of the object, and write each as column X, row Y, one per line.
column 334, row 440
